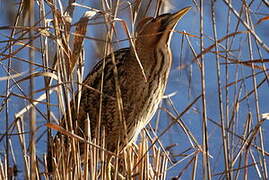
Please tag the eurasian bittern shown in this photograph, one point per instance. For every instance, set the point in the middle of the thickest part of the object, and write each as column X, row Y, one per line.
column 140, row 86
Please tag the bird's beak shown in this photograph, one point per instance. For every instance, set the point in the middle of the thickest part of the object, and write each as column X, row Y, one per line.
column 174, row 18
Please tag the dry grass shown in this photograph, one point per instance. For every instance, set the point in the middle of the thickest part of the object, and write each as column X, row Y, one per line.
column 213, row 127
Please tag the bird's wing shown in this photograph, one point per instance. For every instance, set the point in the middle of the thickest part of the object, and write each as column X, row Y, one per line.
column 119, row 57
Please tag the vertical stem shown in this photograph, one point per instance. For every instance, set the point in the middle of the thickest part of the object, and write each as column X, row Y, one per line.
column 226, row 82
column 220, row 101
column 31, row 89
column 206, row 164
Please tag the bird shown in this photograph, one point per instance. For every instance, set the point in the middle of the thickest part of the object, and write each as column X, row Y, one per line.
column 122, row 92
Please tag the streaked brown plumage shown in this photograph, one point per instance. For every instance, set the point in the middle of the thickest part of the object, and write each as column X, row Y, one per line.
column 140, row 98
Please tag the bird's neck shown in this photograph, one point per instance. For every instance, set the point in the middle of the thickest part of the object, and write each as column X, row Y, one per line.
column 150, row 57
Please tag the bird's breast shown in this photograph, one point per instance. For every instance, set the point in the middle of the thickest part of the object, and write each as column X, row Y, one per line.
column 146, row 95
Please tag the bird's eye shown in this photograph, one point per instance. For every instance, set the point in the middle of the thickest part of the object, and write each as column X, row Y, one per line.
column 164, row 15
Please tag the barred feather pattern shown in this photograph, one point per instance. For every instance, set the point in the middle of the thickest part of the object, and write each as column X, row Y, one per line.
column 140, row 98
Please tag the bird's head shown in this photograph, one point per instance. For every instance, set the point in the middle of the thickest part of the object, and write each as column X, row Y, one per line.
column 153, row 31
